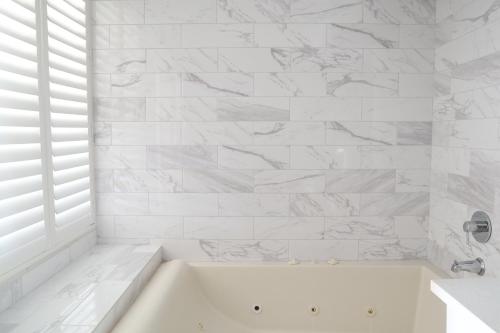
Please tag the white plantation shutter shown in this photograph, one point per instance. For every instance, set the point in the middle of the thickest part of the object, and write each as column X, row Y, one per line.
column 45, row 196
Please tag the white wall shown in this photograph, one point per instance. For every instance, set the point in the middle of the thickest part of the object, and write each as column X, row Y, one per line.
column 265, row 130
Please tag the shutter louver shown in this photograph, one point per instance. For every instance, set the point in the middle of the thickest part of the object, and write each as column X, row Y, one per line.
column 69, row 115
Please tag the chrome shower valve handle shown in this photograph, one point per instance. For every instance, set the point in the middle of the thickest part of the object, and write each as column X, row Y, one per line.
column 479, row 226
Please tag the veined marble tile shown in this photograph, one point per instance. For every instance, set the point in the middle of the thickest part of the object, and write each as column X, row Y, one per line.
column 417, row 36
column 399, row 60
column 120, row 157
column 217, row 84
column 254, row 157
column 119, row 109
column 362, row 227
column 218, row 228
column 326, row 60
column 248, row 204
column 217, row 35
column 189, row 249
column 139, row 133
column 119, row 61
column 181, row 60
column 289, row 133
column 479, row 73
column 180, row 11
column 289, row 227
column 475, row 133
column 289, row 181
column 444, row 8
column 290, row 84
column 362, row 84
column 164, row 227
column 451, row 160
column 388, row 204
column 323, row 250
column 217, row 133
column 117, row 12
column 180, row 157
column 254, row 60
column 144, row 36
column 480, row 103
column 181, row 109
column 253, row 250
column 324, row 157
column 100, row 36
column 102, row 85
column 201, row 181
column 130, row 180
column 411, row 226
column 414, row 132
column 442, row 83
column 325, row 11
column 326, row 108
column 397, row 109
column 102, row 133
column 148, row 84
column 324, row 204
column 402, row 11
column 476, row 192
column 183, row 204
column 362, row 36
column 395, row 157
column 416, row 85
column 122, row 203
column 253, row 108
column 412, row 180
column 103, row 180
column 252, row 11
column 361, row 133
column 360, row 181
column 393, row 249
column 290, row 35
column 485, row 164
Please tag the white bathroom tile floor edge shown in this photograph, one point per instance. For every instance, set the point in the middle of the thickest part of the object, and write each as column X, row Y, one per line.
column 89, row 295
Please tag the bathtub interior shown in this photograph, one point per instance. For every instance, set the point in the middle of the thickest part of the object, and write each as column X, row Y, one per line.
column 224, row 298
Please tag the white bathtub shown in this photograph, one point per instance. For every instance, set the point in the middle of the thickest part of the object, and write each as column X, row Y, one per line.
column 221, row 298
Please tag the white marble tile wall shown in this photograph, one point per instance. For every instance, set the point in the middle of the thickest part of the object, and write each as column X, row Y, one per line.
column 466, row 144
column 265, row 130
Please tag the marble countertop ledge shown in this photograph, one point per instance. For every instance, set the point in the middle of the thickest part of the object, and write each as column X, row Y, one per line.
column 89, row 295
column 478, row 296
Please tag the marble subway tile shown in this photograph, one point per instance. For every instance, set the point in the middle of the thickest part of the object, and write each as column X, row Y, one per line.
column 181, row 60
column 144, row 36
column 399, row 60
column 183, row 204
column 254, row 60
column 395, row 157
column 324, row 204
column 181, row 109
column 399, row 12
column 100, row 37
column 417, row 36
column 397, row 109
column 360, row 181
column 362, row 84
column 217, row 84
column 248, row 204
column 362, row 36
column 388, row 204
column 253, row 250
column 323, row 250
column 217, row 35
column 324, row 157
column 475, row 192
column 254, row 157
column 102, row 85
column 414, row 133
column 252, row 11
column 393, row 249
column 485, row 164
column 289, row 133
column 146, row 84
column 103, row 180
column 290, row 84
column 190, row 249
column 412, row 180
column 324, row 11
column 119, row 61
column 289, row 227
column 289, row 181
column 326, row 108
column 326, row 60
column 122, row 203
column 411, row 226
column 361, row 133
column 164, row 227
column 181, row 157
column 290, row 35
column 180, row 11
column 131, row 180
column 120, row 157
column 362, row 227
column 475, row 133
column 118, row 12
column 102, row 133
column 253, row 108
column 120, row 109
column 218, row 228
column 416, row 85
column 217, row 133
column 201, row 181
column 139, row 133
